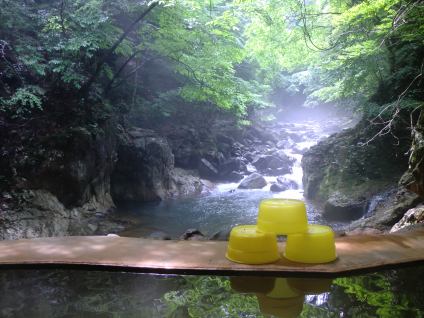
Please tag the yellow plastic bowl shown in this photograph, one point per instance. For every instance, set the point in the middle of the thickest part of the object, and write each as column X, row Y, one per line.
column 247, row 245
column 282, row 216
column 315, row 246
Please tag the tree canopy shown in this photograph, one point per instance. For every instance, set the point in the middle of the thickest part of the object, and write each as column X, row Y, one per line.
column 230, row 54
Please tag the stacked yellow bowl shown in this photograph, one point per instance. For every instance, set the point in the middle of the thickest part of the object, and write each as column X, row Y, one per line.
column 282, row 216
column 257, row 244
column 247, row 245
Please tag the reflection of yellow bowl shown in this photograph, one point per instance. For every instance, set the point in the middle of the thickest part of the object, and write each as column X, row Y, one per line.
column 317, row 245
column 246, row 285
column 283, row 290
column 282, row 216
column 310, row 286
column 284, row 307
column 247, row 245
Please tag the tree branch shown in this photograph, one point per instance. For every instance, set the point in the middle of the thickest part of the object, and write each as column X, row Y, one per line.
column 85, row 88
column 387, row 128
column 116, row 75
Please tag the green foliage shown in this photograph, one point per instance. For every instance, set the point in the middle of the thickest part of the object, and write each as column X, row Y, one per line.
column 61, row 44
column 332, row 51
column 378, row 292
column 205, row 47
column 349, row 51
column 208, row 297
column 23, row 102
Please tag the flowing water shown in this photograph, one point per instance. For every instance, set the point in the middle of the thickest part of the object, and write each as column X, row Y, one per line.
column 227, row 206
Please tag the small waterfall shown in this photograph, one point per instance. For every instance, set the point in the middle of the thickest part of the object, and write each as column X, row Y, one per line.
column 377, row 201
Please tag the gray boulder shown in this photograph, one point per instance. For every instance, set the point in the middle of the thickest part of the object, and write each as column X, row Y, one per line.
column 276, row 187
column 207, row 170
column 287, row 183
column 185, row 183
column 411, row 217
column 342, row 208
column 283, row 184
column 232, row 164
column 348, row 163
column 159, row 235
column 39, row 213
column 144, row 166
column 253, row 181
column 233, row 176
column 193, row 235
column 273, row 164
column 390, row 211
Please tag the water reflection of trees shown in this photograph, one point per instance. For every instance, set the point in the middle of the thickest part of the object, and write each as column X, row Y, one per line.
column 66, row 293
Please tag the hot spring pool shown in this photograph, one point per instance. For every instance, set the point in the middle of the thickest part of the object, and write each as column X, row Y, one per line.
column 77, row 293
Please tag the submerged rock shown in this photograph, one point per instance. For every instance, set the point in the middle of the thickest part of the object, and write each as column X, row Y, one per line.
column 253, row 181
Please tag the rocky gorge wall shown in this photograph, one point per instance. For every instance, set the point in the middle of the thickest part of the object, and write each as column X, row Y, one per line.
column 355, row 177
column 54, row 176
column 66, row 181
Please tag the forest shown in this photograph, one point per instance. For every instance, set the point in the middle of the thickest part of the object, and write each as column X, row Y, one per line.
column 229, row 54
column 172, row 119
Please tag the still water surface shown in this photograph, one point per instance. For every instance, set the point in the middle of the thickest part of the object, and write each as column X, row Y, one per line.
column 212, row 213
column 72, row 293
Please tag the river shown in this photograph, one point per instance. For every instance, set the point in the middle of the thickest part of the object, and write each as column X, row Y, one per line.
column 226, row 206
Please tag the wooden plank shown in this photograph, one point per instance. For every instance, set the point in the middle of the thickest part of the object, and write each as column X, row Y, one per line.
column 355, row 253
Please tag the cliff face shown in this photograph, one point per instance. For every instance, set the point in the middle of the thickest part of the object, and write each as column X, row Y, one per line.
column 344, row 171
column 66, row 180
column 413, row 179
column 73, row 163
column 350, row 163
column 145, row 169
column 57, row 180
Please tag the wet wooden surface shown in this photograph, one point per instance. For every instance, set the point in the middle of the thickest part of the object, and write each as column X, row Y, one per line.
column 355, row 253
